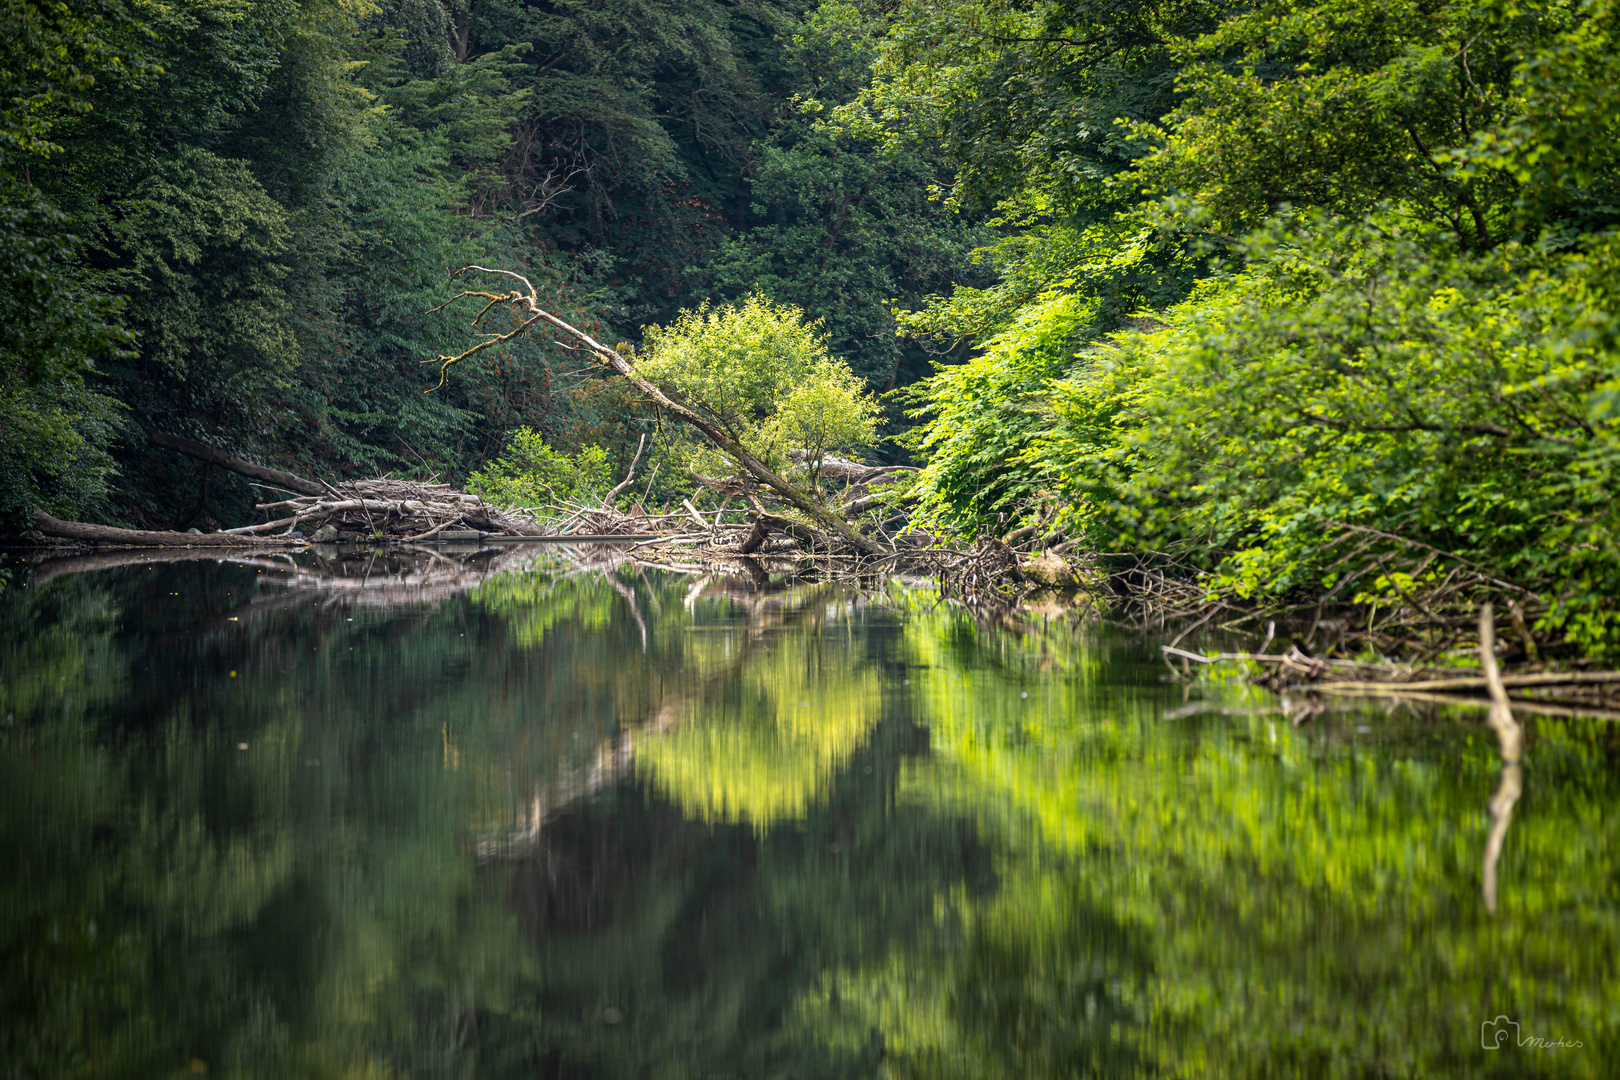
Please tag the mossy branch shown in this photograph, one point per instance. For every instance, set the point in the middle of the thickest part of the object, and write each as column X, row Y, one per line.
column 490, row 340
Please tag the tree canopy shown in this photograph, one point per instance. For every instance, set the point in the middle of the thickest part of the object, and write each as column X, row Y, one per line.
column 1317, row 296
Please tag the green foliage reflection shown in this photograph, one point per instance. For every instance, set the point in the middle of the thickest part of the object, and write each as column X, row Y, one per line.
column 581, row 823
column 1240, row 898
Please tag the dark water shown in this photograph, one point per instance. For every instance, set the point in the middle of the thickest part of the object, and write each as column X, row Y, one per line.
column 389, row 820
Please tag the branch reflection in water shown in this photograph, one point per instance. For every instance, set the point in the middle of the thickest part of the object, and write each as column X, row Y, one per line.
column 1510, row 738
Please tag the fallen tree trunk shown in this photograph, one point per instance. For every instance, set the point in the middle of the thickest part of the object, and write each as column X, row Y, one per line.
column 615, row 361
column 108, row 534
column 204, row 452
column 850, row 472
column 861, row 504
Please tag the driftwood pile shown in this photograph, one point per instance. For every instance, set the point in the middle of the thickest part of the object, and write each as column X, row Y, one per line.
column 740, row 524
column 853, row 515
column 388, row 509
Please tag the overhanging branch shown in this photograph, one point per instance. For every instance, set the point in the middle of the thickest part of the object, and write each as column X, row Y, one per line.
column 527, row 301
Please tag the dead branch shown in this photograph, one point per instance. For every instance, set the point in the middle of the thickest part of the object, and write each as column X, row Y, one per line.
column 629, row 476
column 107, row 534
column 529, row 302
column 202, row 452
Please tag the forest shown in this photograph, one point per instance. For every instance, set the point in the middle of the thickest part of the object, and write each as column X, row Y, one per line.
column 1308, row 299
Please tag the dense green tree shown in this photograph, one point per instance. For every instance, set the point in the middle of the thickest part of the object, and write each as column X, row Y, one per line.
column 1397, row 355
column 845, row 218
column 634, row 147
column 54, row 325
column 240, row 215
column 1036, row 95
column 763, row 375
column 277, row 197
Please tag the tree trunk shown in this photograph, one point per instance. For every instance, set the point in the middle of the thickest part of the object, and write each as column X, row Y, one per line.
column 756, row 537
column 765, row 524
column 617, row 362
column 203, row 452
column 107, row 534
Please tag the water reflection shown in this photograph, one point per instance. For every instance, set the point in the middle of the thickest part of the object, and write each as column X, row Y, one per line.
column 1502, row 804
column 533, row 812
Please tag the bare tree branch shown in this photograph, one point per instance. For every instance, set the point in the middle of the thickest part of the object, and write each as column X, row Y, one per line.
column 528, row 301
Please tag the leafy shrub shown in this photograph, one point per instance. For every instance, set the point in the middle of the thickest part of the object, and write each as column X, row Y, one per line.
column 530, row 473
column 762, row 374
column 1358, row 395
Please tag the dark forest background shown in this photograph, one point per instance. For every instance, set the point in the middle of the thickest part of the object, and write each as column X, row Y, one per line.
column 228, row 221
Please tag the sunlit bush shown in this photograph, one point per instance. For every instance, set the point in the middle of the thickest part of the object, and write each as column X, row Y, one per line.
column 763, row 374
column 1357, row 396
column 530, row 473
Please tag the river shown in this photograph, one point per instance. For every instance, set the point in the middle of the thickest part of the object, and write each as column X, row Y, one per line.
column 440, row 815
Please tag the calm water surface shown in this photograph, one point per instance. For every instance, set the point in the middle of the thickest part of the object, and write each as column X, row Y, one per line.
column 373, row 818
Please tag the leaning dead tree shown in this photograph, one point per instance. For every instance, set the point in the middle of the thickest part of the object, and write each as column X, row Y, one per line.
column 525, row 302
column 267, row 476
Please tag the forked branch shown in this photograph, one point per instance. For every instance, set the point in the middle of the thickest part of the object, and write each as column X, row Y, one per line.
column 490, row 340
column 527, row 302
